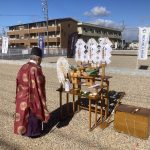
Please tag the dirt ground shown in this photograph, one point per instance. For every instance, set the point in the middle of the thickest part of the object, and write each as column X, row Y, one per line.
column 73, row 133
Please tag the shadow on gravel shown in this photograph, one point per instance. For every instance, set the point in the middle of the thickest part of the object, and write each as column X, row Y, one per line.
column 55, row 115
column 143, row 67
column 6, row 145
column 55, row 119
column 52, row 62
column 113, row 99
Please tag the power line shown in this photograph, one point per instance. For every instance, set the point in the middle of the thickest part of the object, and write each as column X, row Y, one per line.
column 14, row 15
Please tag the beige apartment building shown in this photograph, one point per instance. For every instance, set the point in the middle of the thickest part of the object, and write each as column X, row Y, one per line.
column 86, row 31
column 26, row 35
column 59, row 31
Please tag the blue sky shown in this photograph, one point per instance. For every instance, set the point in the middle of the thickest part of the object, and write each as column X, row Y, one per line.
column 131, row 13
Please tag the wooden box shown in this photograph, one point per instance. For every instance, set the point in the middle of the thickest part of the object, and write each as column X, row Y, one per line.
column 132, row 120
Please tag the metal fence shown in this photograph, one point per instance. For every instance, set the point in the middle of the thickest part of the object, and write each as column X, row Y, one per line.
column 20, row 53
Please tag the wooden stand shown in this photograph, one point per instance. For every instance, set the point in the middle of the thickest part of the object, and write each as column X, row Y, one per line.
column 101, row 97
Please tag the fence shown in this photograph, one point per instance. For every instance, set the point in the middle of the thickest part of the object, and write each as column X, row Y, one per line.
column 20, row 53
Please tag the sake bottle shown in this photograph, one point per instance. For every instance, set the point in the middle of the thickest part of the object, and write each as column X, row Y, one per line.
column 67, row 84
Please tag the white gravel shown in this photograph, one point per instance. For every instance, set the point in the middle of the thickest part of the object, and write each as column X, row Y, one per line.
column 72, row 134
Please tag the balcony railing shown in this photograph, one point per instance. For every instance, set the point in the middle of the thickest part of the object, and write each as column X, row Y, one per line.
column 34, row 30
column 33, row 39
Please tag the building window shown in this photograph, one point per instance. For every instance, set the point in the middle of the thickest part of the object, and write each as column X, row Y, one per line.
column 92, row 31
column 69, row 25
column 84, row 29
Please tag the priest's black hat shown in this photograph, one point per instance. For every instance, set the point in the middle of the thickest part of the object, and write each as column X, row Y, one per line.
column 37, row 51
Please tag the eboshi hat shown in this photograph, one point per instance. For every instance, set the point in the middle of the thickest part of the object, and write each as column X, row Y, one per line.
column 37, row 51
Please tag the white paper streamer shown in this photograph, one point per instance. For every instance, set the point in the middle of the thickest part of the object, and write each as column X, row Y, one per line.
column 62, row 69
column 92, row 49
column 80, row 51
column 93, row 52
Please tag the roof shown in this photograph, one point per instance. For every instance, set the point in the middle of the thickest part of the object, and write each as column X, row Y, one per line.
column 58, row 19
column 98, row 26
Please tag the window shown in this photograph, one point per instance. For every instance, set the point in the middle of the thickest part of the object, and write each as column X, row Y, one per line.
column 84, row 29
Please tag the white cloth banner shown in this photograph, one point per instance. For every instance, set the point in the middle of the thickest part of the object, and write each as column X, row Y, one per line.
column 143, row 43
column 4, row 44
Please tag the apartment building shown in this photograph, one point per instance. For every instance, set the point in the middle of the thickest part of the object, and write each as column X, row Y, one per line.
column 26, row 35
column 86, row 31
column 59, row 31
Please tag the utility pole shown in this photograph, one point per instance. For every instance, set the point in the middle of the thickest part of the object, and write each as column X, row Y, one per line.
column 123, row 27
column 45, row 11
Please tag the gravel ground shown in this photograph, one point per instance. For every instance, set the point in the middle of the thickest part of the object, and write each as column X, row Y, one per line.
column 72, row 134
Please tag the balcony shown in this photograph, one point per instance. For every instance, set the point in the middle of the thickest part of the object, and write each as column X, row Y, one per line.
column 33, row 30
column 44, row 29
column 54, row 39
column 33, row 39
column 16, row 32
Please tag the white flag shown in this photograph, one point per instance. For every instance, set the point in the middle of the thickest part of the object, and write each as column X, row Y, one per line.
column 4, row 44
column 143, row 43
